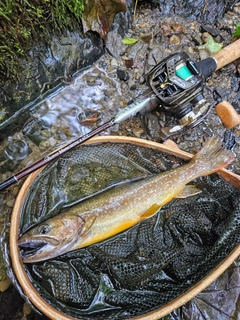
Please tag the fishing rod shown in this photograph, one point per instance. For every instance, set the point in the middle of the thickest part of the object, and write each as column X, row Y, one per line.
column 124, row 114
column 176, row 83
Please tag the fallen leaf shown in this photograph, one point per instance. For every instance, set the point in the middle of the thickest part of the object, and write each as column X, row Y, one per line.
column 130, row 41
column 89, row 119
column 173, row 28
column 211, row 46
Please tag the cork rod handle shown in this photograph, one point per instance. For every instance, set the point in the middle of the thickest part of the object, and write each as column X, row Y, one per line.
column 227, row 54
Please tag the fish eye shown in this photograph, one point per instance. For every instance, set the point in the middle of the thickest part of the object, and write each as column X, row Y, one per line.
column 43, row 229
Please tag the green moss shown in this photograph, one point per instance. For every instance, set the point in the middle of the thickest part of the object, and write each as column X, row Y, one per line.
column 24, row 22
column 64, row 10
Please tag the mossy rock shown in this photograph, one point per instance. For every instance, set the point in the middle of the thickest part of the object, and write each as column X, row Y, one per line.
column 26, row 22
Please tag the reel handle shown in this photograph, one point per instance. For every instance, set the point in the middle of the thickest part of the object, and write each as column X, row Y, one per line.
column 227, row 54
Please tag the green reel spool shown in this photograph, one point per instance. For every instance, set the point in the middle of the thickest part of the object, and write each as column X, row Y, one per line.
column 183, row 72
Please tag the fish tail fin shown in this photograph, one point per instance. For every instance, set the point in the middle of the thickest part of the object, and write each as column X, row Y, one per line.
column 212, row 157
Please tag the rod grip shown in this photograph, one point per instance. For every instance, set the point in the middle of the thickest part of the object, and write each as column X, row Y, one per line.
column 227, row 54
column 7, row 183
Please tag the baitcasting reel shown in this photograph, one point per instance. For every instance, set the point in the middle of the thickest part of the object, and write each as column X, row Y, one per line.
column 178, row 83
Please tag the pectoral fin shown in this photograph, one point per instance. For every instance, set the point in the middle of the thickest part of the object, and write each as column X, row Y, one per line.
column 88, row 220
column 188, row 191
column 146, row 214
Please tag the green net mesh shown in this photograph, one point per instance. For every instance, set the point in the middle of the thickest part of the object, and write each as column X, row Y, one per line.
column 146, row 266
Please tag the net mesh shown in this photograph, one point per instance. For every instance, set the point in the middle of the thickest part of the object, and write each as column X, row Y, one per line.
column 146, row 266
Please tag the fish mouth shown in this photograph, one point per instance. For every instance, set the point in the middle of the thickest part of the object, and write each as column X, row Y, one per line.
column 30, row 249
column 35, row 244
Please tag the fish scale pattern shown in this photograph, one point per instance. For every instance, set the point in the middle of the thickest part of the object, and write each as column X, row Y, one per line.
column 146, row 266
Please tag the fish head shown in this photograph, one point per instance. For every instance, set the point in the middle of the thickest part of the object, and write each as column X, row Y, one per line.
column 51, row 238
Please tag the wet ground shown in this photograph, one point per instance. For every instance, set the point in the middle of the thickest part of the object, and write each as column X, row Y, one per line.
column 98, row 93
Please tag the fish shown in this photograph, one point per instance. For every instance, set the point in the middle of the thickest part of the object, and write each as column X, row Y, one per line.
column 117, row 209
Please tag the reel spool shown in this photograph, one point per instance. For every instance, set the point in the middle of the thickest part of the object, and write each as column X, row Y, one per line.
column 178, row 84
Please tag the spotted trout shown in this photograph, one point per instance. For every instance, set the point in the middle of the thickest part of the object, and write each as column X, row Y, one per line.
column 119, row 208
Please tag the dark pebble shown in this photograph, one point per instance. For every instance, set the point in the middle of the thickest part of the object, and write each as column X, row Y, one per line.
column 213, row 31
column 122, row 75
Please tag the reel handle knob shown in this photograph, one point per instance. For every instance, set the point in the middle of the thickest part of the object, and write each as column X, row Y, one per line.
column 228, row 115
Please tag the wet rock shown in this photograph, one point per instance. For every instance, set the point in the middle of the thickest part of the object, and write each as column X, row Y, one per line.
column 27, row 309
column 33, row 130
column 5, row 284
column 221, row 93
column 174, row 40
column 114, row 62
column 206, row 11
column 123, row 20
column 153, row 127
column 138, row 50
column 120, row 26
column 99, row 15
column 132, row 85
column 114, row 44
column 235, row 82
column 229, row 139
column 137, row 132
column 155, row 56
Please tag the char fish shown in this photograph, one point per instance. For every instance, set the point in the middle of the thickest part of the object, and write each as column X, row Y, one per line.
column 115, row 210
